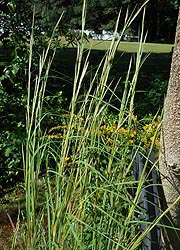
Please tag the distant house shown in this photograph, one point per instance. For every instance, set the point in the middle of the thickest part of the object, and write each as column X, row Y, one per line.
column 105, row 35
column 131, row 38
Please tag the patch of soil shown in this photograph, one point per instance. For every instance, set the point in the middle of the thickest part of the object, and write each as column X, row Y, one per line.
column 6, row 232
column 9, row 206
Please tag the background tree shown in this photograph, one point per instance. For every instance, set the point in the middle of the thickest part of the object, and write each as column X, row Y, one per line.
column 161, row 20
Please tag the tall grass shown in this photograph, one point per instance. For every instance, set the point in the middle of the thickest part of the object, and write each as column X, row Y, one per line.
column 86, row 198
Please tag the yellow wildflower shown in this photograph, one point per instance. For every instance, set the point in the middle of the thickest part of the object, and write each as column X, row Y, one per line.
column 122, row 131
column 134, row 118
column 58, row 127
column 130, row 142
column 108, row 129
column 157, row 143
column 152, row 138
column 66, row 159
column 57, row 136
column 133, row 133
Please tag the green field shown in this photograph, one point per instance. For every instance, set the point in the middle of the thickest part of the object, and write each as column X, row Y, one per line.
column 131, row 47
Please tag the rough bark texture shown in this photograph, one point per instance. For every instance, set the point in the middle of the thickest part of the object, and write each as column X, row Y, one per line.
column 169, row 161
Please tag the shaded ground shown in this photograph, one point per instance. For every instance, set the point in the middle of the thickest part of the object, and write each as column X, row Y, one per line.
column 9, row 205
column 6, row 232
column 155, row 67
column 156, row 63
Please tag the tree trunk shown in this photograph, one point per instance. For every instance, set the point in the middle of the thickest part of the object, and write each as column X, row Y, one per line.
column 169, row 161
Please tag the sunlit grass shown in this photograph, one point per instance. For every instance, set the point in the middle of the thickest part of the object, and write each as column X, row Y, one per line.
column 131, row 47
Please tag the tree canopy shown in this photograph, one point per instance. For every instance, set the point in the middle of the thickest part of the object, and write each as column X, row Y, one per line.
column 160, row 19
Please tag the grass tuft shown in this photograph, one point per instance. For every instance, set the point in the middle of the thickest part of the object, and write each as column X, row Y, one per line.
column 86, row 197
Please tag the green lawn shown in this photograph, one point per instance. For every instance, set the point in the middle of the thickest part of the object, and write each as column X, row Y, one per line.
column 131, row 47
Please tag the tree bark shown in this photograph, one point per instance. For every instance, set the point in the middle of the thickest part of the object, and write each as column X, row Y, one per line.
column 169, row 161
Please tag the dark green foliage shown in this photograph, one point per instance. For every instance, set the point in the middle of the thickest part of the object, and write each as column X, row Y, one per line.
column 150, row 98
column 156, row 93
column 11, row 158
column 13, row 95
column 12, row 119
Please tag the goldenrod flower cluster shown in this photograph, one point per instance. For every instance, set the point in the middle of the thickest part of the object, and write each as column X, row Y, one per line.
column 149, row 135
column 141, row 133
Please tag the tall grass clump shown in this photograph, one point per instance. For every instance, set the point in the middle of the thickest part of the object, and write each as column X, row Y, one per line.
column 86, row 197
column 34, row 149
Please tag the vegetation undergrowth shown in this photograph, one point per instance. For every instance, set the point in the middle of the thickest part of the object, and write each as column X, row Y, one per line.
column 78, row 177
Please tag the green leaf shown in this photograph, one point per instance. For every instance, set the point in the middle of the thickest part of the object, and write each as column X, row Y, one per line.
column 8, row 152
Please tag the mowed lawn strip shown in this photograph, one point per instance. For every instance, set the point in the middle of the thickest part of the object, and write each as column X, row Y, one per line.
column 131, row 47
